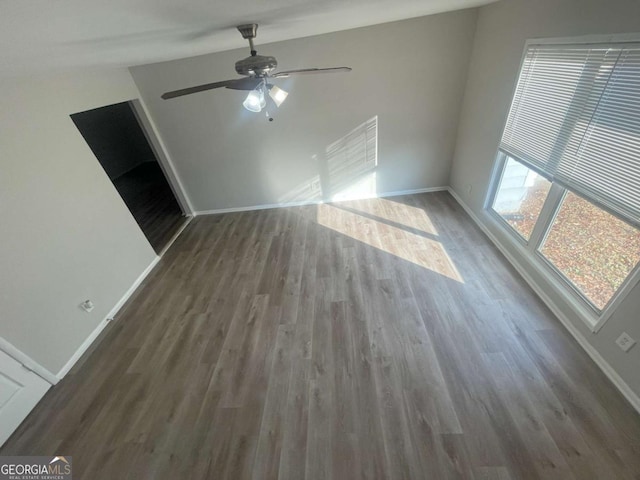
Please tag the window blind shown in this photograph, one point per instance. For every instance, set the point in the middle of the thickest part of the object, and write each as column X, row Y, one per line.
column 575, row 118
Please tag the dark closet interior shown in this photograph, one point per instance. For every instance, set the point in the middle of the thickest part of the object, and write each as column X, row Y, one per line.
column 118, row 142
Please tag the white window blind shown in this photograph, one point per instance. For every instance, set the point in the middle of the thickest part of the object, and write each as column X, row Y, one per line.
column 575, row 118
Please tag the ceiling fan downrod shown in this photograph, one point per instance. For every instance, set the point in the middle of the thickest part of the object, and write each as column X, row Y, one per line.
column 249, row 32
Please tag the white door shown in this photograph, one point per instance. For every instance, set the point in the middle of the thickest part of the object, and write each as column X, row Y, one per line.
column 20, row 391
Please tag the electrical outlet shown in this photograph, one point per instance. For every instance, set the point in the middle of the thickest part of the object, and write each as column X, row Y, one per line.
column 469, row 188
column 87, row 305
column 625, row 342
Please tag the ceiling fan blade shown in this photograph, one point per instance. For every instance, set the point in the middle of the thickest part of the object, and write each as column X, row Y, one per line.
column 307, row 71
column 248, row 83
column 235, row 84
column 199, row 88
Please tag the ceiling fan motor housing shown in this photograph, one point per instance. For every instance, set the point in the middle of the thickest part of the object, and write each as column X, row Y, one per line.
column 257, row 65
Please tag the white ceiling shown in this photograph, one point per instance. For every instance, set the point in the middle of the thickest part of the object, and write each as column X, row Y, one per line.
column 40, row 35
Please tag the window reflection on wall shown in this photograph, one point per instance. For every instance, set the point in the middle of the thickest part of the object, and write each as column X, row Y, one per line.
column 346, row 169
column 351, row 163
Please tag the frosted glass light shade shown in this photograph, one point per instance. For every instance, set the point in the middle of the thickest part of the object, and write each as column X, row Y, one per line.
column 255, row 101
column 277, row 95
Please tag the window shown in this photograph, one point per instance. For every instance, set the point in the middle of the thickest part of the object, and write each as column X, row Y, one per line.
column 568, row 175
column 593, row 249
column 520, row 196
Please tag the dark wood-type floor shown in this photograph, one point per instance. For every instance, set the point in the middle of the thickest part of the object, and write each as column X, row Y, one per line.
column 368, row 339
column 148, row 196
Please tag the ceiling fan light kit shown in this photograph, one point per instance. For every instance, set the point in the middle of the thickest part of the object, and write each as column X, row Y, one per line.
column 257, row 70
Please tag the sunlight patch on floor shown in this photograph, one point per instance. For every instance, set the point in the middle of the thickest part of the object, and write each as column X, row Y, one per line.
column 398, row 213
column 412, row 244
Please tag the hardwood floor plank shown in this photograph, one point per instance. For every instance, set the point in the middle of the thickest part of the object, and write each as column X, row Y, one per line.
column 346, row 462
column 547, row 458
column 368, row 426
column 294, row 445
column 267, row 461
column 388, row 366
column 320, row 434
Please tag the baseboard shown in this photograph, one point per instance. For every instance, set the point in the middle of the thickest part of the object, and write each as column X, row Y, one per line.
column 96, row 332
column 83, row 348
column 28, row 362
column 315, row 202
column 399, row 193
column 176, row 235
column 35, row 367
column 257, row 207
column 111, row 315
column 606, row 368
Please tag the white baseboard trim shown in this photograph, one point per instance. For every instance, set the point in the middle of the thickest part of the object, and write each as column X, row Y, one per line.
column 111, row 315
column 83, row 348
column 176, row 235
column 27, row 361
column 257, row 207
column 399, row 193
column 92, row 337
column 631, row 396
column 315, row 202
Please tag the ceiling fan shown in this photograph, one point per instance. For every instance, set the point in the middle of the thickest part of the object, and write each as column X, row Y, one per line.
column 257, row 71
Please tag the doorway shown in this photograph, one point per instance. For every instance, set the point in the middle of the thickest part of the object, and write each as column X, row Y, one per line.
column 117, row 140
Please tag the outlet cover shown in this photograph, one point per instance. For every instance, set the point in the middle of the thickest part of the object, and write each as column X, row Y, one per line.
column 625, row 342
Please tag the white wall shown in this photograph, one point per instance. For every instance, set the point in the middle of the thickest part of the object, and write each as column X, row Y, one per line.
column 411, row 74
column 66, row 234
column 501, row 33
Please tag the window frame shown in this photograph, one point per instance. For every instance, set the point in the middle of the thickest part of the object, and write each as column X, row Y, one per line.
column 590, row 314
column 585, row 309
